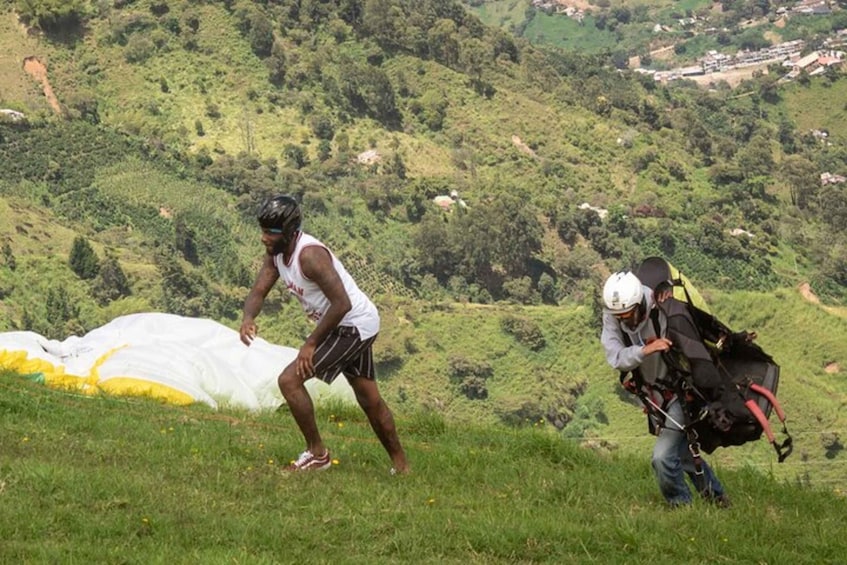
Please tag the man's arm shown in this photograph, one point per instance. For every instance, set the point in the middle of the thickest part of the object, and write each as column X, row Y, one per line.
column 316, row 264
column 620, row 356
column 265, row 280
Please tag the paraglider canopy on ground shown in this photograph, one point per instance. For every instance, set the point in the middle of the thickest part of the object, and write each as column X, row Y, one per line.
column 177, row 359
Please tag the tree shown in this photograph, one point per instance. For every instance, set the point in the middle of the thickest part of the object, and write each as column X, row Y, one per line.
column 295, row 156
column 83, row 261
column 756, row 158
column 277, row 65
column 620, row 59
column 496, row 240
column 833, row 205
column 112, row 283
column 184, row 292
column 382, row 20
column 473, row 57
column 9, row 256
column 261, row 34
column 802, row 179
column 322, row 126
column 444, row 43
column 184, row 240
column 52, row 15
column 60, row 311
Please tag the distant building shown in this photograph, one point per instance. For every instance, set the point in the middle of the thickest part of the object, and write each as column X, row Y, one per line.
column 602, row 212
column 812, row 8
column 12, row 115
column 368, row 157
column 814, row 63
column 829, row 178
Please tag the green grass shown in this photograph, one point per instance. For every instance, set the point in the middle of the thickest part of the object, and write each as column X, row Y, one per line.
column 19, row 92
column 97, row 480
column 567, row 33
column 821, row 105
column 502, row 13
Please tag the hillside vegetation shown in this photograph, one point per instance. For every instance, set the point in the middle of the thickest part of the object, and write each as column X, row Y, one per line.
column 177, row 118
column 662, row 34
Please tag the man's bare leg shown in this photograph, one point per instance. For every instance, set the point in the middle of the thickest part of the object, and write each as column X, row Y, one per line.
column 302, row 408
column 381, row 420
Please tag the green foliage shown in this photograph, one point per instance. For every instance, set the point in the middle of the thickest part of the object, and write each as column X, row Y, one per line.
column 9, row 256
column 65, row 154
column 83, row 260
column 525, row 331
column 52, row 15
column 471, row 376
column 139, row 48
column 111, row 283
column 486, row 244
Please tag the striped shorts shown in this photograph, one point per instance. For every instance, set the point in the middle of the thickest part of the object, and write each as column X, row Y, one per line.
column 344, row 352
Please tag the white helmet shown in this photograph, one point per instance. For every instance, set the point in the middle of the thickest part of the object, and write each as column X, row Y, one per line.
column 622, row 292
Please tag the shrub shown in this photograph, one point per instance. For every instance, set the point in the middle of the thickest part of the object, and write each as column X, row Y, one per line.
column 470, row 375
column 525, row 331
column 83, row 261
column 138, row 49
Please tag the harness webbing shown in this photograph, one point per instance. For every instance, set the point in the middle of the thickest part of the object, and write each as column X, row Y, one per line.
column 660, row 413
column 683, row 388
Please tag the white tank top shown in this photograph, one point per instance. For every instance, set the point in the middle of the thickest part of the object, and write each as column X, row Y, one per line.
column 363, row 313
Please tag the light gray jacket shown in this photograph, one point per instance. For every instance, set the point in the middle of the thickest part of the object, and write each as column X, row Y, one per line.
column 626, row 358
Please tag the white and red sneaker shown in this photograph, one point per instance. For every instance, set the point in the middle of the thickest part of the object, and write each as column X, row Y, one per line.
column 310, row 462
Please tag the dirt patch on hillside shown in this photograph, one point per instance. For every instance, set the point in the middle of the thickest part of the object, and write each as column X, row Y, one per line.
column 733, row 77
column 805, row 290
column 523, row 147
column 831, row 368
column 807, row 293
column 663, row 53
column 583, row 5
column 38, row 70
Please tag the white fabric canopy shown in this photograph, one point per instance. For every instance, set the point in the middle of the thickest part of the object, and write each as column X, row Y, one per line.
column 175, row 358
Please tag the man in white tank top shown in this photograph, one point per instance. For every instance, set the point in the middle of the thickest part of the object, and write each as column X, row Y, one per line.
column 347, row 323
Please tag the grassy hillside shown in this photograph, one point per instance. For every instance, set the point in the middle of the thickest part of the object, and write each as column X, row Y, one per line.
column 179, row 117
column 818, row 106
column 102, row 480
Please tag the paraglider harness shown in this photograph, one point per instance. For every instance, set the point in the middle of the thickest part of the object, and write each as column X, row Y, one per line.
column 725, row 383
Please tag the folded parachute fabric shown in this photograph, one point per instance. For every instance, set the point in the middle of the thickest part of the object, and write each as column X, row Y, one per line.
column 177, row 359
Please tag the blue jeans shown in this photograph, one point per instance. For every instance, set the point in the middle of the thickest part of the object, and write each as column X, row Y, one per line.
column 672, row 460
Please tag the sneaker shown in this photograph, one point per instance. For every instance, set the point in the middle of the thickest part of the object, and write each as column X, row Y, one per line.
column 310, row 462
column 721, row 501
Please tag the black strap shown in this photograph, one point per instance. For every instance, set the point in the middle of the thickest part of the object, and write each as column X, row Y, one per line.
column 637, row 384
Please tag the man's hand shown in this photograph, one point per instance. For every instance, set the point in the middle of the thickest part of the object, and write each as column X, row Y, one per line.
column 248, row 331
column 663, row 295
column 305, row 365
column 657, row 344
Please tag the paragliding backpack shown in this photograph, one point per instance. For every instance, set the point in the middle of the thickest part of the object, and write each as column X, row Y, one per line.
column 727, row 383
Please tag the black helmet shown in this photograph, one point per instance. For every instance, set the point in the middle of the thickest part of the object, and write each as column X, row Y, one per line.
column 280, row 213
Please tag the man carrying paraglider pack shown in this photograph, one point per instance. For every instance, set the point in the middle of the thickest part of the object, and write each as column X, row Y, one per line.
column 634, row 340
